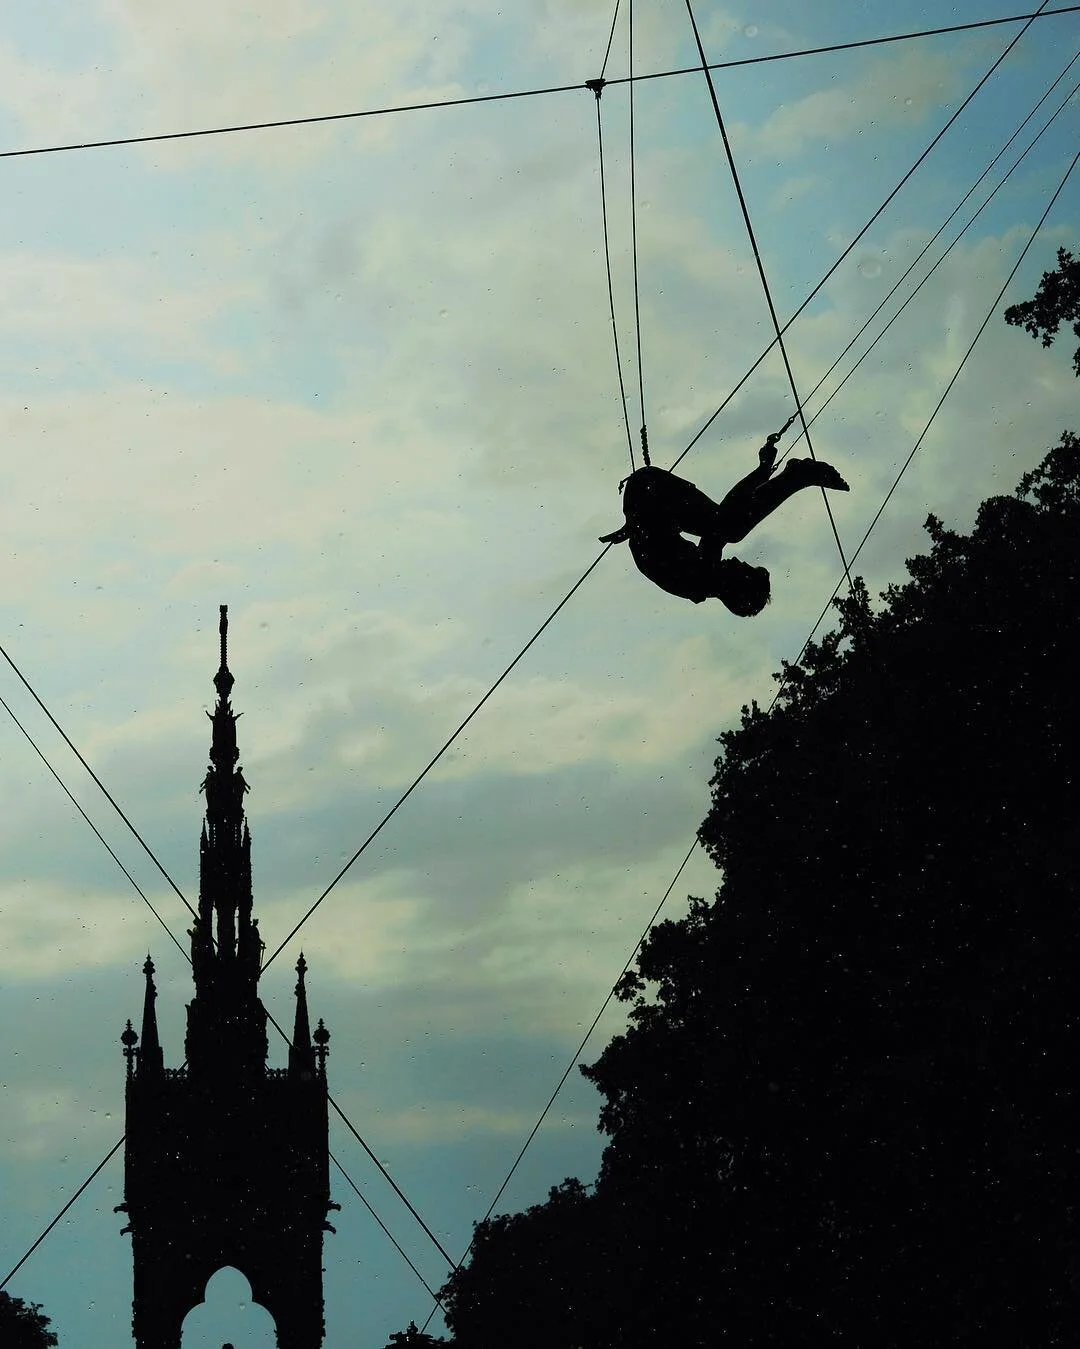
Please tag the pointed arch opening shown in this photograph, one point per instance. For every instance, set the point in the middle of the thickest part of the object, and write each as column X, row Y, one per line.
column 228, row 1315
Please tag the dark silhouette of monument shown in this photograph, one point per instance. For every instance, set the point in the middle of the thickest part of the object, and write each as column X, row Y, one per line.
column 226, row 1160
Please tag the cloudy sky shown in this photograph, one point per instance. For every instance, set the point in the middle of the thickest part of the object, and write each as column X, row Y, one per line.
column 356, row 380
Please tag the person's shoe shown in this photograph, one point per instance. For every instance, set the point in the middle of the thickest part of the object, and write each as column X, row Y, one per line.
column 813, row 473
column 827, row 476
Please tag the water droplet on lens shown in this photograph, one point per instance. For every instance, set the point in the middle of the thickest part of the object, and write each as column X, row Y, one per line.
column 750, row 30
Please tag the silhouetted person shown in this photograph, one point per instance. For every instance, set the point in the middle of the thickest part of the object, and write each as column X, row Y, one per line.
column 660, row 508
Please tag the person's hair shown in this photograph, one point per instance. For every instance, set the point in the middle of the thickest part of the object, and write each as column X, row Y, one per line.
column 744, row 589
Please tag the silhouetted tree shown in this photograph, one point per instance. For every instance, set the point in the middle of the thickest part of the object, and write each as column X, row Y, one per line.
column 865, row 1047
column 24, row 1326
column 845, row 1106
column 1056, row 301
column 532, row 1273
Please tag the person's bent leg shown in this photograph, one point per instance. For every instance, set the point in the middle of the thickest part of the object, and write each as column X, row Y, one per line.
column 742, row 509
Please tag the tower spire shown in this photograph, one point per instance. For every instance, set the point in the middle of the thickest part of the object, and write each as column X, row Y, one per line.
column 301, row 1053
column 223, row 680
column 226, row 952
column 225, row 887
column 226, row 1160
column 150, row 1057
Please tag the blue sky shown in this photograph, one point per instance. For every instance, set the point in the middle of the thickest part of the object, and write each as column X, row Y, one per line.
column 357, row 381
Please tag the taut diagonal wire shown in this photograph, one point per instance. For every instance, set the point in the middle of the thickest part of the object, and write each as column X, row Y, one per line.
column 97, row 832
column 937, row 235
column 98, row 782
column 321, row 119
column 633, row 242
column 873, row 218
column 576, row 1055
column 761, row 273
column 937, row 408
column 598, row 90
column 938, row 261
column 92, row 1176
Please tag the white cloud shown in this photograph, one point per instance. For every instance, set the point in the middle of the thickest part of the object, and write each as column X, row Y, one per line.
column 181, row 475
column 95, row 313
column 51, row 104
column 36, row 1118
column 377, row 933
column 47, row 930
column 207, row 66
column 894, row 89
column 450, row 1121
column 44, row 1122
column 545, row 956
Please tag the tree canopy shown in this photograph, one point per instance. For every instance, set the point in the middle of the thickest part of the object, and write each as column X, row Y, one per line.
column 1057, row 301
column 880, row 995
column 845, row 1104
column 24, row 1326
column 847, row 1095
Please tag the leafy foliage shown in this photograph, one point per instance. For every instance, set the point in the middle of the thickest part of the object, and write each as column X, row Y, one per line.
column 845, row 1104
column 1056, row 301
column 24, row 1326
column 545, row 1256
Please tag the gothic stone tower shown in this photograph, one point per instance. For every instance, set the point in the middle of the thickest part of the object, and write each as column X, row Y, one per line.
column 226, row 1160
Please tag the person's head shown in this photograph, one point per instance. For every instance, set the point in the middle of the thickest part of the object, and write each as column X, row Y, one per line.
column 744, row 589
